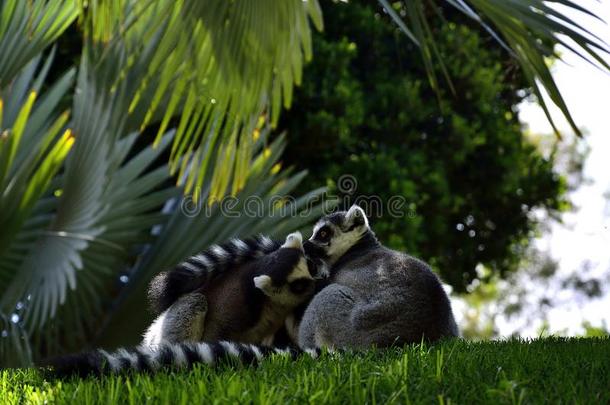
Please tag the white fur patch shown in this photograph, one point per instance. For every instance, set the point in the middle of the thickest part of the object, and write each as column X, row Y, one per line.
column 179, row 356
column 262, row 282
column 131, row 357
column 154, row 334
column 147, row 352
column 341, row 244
column 240, row 245
column 190, row 267
column 220, row 252
column 202, row 260
column 230, row 348
column 205, row 353
column 356, row 211
column 268, row 243
column 316, row 227
column 294, row 241
column 256, row 352
column 114, row 363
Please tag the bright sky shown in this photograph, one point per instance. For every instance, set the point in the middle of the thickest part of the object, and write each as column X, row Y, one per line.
column 585, row 234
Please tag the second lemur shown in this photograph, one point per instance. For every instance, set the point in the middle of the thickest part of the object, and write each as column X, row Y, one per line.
column 246, row 303
column 376, row 296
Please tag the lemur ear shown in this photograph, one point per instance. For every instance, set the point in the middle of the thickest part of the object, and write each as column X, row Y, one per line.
column 262, row 282
column 356, row 217
column 294, row 240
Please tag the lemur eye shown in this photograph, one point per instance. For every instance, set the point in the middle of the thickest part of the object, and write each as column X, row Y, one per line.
column 323, row 234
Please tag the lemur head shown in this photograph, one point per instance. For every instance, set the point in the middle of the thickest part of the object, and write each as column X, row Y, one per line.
column 335, row 234
column 284, row 275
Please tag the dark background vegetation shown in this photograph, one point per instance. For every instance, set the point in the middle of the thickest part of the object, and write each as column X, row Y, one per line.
column 460, row 160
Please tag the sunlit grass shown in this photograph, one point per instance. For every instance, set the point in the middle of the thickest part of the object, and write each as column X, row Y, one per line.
column 547, row 370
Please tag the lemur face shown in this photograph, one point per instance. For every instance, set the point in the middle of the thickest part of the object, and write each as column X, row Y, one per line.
column 287, row 279
column 334, row 234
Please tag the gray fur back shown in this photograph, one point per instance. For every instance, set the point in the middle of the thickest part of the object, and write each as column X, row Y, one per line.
column 410, row 288
column 380, row 298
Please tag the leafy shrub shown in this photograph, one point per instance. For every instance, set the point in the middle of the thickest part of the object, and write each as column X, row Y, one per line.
column 469, row 176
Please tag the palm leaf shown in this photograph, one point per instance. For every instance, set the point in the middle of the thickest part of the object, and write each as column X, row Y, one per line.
column 214, row 67
column 88, row 192
column 27, row 28
column 530, row 30
column 31, row 154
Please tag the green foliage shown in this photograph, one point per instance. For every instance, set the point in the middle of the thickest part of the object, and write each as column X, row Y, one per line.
column 217, row 66
column 528, row 29
column 27, row 28
column 468, row 175
column 83, row 205
column 596, row 331
column 540, row 371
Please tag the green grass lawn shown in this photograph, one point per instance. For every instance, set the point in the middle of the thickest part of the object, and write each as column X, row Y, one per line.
column 546, row 370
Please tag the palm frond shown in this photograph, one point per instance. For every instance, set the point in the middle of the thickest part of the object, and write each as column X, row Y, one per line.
column 218, row 66
column 530, row 30
column 92, row 183
column 32, row 150
column 27, row 28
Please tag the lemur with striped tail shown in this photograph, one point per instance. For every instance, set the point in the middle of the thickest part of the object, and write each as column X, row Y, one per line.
column 246, row 303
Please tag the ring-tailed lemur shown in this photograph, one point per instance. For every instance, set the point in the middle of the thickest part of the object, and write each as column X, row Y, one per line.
column 176, row 285
column 247, row 304
column 194, row 272
column 377, row 296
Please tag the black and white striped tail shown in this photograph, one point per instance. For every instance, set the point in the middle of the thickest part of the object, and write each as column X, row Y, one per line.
column 191, row 274
column 169, row 355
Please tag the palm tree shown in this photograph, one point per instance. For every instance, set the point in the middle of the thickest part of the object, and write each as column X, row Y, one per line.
column 87, row 218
